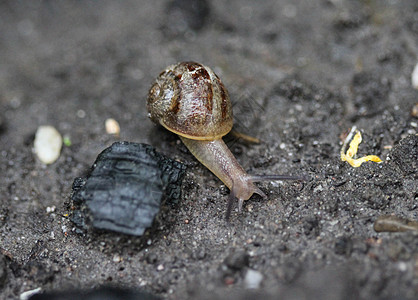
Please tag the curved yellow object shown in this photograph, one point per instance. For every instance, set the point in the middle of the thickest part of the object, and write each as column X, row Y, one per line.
column 352, row 150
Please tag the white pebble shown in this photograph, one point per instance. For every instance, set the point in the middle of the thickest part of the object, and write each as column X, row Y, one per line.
column 50, row 209
column 112, row 126
column 142, row 282
column 253, row 279
column 117, row 258
column 160, row 267
column 402, row 266
column 48, row 143
column 414, row 77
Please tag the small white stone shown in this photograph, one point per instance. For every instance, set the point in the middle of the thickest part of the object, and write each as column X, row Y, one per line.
column 50, row 209
column 414, row 77
column 253, row 279
column 112, row 126
column 142, row 282
column 47, row 144
column 402, row 266
column 318, row 189
column 160, row 267
column 117, row 258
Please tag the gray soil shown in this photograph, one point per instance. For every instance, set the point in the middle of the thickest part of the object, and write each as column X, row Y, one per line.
column 300, row 74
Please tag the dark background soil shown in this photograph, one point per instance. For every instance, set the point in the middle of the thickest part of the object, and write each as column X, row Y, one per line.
column 301, row 74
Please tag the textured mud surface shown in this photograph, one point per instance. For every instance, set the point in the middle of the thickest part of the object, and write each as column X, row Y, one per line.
column 300, row 74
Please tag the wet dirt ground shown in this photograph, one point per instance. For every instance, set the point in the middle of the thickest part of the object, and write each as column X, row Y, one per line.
column 300, row 74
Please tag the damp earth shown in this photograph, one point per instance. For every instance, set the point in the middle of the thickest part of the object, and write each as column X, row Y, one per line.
column 301, row 74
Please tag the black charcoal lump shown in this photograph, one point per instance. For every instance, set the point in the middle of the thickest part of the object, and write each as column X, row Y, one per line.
column 125, row 187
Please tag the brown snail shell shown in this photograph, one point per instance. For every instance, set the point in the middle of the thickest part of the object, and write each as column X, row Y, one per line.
column 190, row 100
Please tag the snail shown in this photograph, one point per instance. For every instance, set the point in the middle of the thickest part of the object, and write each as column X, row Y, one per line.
column 190, row 100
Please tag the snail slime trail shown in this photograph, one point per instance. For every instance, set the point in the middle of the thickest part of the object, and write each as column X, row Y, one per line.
column 190, row 100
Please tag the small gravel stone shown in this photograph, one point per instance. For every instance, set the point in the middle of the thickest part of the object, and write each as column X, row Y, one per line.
column 112, row 126
column 117, row 258
column 414, row 77
column 253, row 279
column 50, row 209
column 414, row 110
column 47, row 144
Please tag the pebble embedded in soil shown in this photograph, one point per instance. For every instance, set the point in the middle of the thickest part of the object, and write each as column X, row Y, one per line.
column 125, row 188
column 117, row 258
column 112, row 126
column 414, row 77
column 414, row 110
column 47, row 144
column 253, row 279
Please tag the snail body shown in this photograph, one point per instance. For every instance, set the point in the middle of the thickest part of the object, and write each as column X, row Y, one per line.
column 190, row 100
column 216, row 156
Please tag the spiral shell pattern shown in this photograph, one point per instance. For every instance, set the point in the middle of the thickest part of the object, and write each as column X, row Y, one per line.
column 189, row 99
